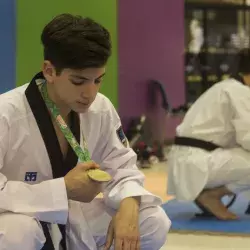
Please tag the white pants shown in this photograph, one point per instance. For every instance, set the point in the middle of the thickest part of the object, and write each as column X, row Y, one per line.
column 233, row 172
column 19, row 231
column 190, row 170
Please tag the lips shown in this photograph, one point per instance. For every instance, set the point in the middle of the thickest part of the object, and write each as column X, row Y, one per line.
column 84, row 104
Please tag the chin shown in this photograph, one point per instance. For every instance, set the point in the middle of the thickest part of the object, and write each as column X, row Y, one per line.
column 80, row 110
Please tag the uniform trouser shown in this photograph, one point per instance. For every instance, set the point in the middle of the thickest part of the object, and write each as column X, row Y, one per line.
column 191, row 170
column 19, row 231
column 231, row 168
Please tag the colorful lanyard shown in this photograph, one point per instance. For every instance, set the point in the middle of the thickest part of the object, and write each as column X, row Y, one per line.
column 83, row 155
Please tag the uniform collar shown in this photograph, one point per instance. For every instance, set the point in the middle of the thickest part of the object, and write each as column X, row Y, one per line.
column 60, row 166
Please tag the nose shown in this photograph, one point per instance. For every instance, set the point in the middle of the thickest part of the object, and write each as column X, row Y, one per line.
column 89, row 91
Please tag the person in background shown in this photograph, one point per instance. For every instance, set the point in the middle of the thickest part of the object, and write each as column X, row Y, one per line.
column 210, row 158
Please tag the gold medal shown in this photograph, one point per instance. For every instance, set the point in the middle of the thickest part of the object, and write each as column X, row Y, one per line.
column 99, row 175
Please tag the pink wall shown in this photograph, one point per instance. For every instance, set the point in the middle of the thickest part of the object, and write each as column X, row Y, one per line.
column 151, row 46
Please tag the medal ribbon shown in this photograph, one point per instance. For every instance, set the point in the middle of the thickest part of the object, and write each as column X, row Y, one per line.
column 83, row 155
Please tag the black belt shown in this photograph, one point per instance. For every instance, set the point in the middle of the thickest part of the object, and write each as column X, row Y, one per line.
column 192, row 142
column 49, row 243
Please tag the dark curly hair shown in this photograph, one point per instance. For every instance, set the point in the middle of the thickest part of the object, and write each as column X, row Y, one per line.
column 75, row 42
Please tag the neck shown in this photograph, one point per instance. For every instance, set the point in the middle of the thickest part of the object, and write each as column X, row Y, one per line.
column 63, row 108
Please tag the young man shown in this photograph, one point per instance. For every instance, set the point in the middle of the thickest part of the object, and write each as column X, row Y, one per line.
column 43, row 184
column 211, row 155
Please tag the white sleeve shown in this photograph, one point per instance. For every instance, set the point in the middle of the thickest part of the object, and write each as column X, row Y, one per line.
column 240, row 101
column 119, row 160
column 46, row 201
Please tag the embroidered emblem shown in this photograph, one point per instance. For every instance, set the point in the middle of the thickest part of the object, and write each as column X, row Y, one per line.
column 30, row 176
column 122, row 136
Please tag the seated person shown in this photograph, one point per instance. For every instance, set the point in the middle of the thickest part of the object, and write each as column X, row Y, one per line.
column 210, row 157
column 56, row 131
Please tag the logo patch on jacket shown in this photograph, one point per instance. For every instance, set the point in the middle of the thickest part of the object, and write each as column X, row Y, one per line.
column 122, row 137
column 30, row 176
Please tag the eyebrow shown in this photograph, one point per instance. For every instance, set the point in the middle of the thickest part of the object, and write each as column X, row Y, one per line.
column 85, row 78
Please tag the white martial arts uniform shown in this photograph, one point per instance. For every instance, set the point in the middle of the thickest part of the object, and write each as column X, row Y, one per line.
column 221, row 116
column 29, row 158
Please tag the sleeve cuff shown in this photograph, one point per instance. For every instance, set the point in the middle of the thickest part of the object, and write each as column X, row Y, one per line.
column 131, row 189
column 60, row 199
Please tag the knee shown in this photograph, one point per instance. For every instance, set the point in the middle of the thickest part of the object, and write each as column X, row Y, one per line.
column 19, row 231
column 155, row 225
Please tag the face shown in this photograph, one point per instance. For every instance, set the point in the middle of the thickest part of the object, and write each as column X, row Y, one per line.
column 73, row 89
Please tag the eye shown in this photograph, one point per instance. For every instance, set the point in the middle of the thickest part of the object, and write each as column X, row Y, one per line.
column 97, row 81
column 77, row 83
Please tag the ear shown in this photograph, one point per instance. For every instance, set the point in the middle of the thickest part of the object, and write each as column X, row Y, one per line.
column 49, row 71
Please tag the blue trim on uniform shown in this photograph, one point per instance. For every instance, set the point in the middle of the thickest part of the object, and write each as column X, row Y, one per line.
column 7, row 45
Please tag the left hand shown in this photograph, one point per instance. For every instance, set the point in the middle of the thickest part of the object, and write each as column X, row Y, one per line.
column 124, row 227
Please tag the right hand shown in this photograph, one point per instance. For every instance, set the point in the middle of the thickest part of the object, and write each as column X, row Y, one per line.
column 78, row 184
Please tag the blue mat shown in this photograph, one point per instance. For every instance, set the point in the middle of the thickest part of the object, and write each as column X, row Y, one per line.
column 182, row 215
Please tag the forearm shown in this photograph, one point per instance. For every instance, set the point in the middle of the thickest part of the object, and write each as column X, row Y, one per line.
column 131, row 201
column 134, row 199
column 46, row 201
column 127, row 180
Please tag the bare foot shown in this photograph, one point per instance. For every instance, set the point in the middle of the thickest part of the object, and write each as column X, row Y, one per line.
column 211, row 200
